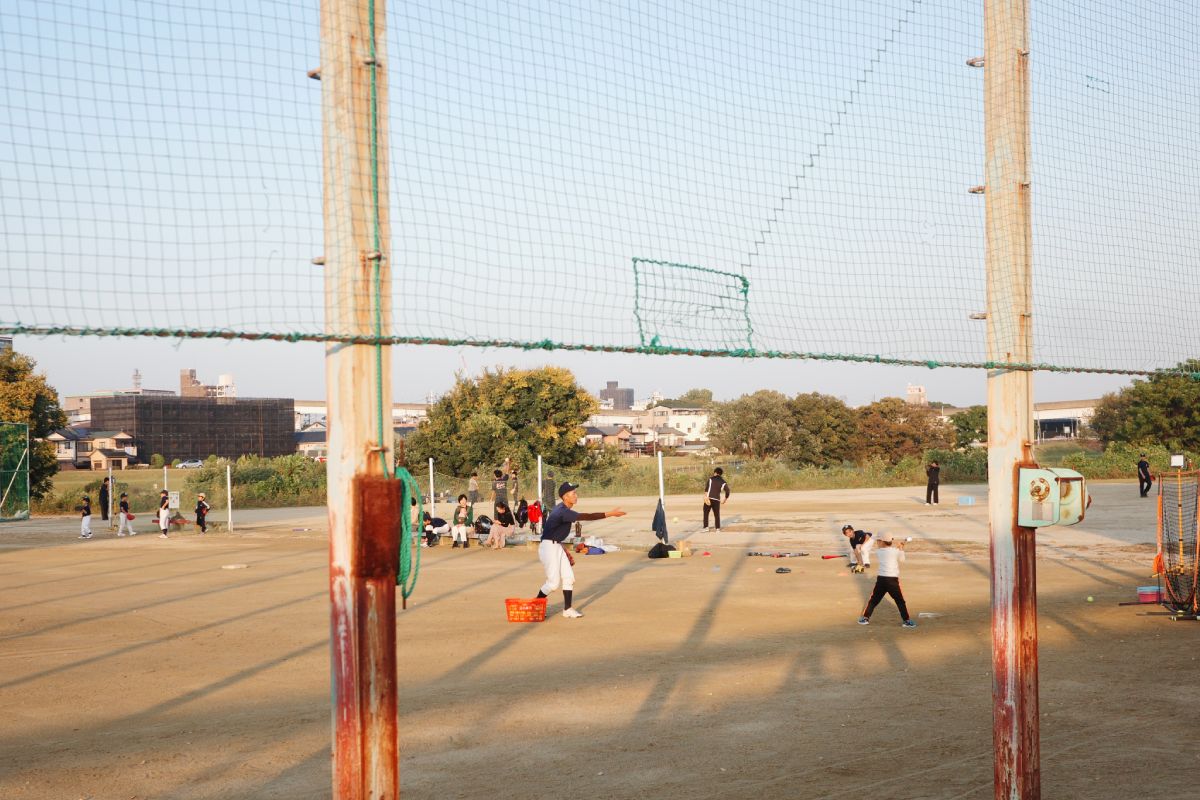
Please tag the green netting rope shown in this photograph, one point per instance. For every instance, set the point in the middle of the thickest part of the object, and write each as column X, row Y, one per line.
column 409, row 566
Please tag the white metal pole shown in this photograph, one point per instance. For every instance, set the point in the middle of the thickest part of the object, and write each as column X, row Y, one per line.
column 112, row 491
column 432, row 496
column 165, row 486
column 539, row 486
column 662, row 496
column 229, row 496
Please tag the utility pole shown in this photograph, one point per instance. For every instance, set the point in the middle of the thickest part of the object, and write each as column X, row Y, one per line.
column 1015, row 735
column 364, row 500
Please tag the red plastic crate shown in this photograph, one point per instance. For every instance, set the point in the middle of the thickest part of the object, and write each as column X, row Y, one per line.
column 525, row 610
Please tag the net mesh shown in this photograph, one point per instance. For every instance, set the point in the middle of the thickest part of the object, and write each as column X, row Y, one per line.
column 14, row 471
column 744, row 177
column 1178, row 496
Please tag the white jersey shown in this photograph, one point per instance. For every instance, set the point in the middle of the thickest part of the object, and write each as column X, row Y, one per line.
column 889, row 559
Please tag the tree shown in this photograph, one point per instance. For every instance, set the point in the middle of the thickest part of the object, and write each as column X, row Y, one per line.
column 758, row 424
column 509, row 413
column 824, row 430
column 692, row 398
column 891, row 429
column 26, row 397
column 1163, row 409
column 970, row 426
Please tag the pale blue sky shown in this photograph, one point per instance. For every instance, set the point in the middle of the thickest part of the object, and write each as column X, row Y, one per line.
column 159, row 166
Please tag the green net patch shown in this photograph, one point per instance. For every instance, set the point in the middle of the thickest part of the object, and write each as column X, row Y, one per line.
column 683, row 306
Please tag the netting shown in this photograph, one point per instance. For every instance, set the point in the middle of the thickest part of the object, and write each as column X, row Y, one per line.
column 745, row 178
column 1178, row 495
column 14, row 471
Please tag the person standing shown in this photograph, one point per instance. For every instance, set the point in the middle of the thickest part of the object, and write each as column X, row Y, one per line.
column 202, row 513
column 860, row 548
column 553, row 554
column 85, row 525
column 104, row 500
column 889, row 555
column 933, row 476
column 713, row 489
column 126, row 521
column 499, row 490
column 1144, row 479
column 164, row 512
column 461, row 522
column 547, row 492
column 473, row 491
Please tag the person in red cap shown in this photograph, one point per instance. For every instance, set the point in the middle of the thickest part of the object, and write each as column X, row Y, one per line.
column 554, row 557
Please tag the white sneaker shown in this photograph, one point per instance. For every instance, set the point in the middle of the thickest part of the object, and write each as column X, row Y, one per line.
column 162, row 536
column 571, row 613
column 120, row 534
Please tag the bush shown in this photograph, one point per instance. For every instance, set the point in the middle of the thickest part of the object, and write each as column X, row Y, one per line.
column 1119, row 460
column 262, row 482
column 157, row 461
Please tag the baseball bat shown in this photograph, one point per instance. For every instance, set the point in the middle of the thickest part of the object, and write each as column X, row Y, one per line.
column 841, row 556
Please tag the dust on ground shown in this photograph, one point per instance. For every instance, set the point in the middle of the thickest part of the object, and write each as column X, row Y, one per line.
column 140, row 668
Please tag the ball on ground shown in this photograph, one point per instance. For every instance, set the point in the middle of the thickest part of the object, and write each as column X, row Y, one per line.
column 1090, row 598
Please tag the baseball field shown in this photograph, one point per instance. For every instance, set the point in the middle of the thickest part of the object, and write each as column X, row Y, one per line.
column 198, row 667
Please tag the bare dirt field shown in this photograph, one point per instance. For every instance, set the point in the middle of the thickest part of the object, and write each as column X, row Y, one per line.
column 140, row 668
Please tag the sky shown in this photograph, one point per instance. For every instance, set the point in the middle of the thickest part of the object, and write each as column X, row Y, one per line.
column 714, row 173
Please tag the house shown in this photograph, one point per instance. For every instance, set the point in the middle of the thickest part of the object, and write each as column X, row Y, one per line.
column 691, row 423
column 666, row 436
column 80, row 448
column 312, row 443
column 607, row 436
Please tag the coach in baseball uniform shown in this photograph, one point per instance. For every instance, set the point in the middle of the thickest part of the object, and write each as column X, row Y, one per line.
column 551, row 552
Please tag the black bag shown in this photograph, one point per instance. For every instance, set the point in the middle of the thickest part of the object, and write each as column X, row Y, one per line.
column 432, row 539
column 660, row 550
column 483, row 525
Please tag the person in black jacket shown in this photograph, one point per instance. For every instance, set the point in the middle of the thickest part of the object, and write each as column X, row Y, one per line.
column 1144, row 479
column 712, row 497
column 104, row 499
column 932, row 478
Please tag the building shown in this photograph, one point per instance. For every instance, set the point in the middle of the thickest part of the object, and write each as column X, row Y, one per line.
column 1064, row 419
column 197, row 427
column 79, row 407
column 618, row 399
column 690, row 423
column 1059, row 419
column 404, row 415
column 190, row 385
column 915, row 395
column 617, row 436
column 80, row 448
column 5, row 343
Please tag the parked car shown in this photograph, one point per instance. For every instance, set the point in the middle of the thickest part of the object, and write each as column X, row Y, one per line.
column 192, row 464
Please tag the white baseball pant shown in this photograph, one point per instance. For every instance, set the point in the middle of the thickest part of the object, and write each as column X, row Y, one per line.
column 557, row 565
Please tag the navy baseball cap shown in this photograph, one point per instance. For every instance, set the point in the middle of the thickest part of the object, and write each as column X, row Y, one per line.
column 566, row 486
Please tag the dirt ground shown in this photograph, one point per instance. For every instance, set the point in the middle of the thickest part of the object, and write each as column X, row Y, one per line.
column 140, row 668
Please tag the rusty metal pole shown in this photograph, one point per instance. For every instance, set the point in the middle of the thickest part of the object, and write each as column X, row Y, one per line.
column 364, row 503
column 1015, row 736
